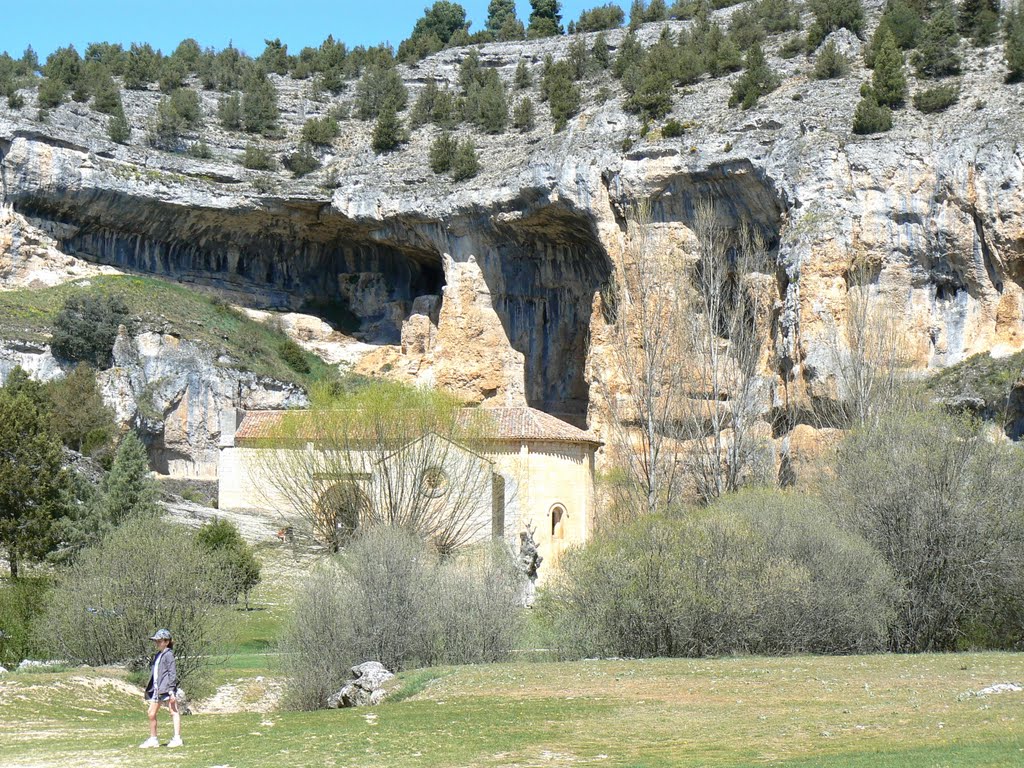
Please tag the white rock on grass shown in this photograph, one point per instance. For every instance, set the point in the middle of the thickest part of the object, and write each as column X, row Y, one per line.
column 365, row 690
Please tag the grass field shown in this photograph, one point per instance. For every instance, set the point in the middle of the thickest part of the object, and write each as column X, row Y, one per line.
column 849, row 712
column 875, row 711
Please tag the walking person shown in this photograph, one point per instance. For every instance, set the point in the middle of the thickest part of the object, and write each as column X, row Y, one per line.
column 162, row 687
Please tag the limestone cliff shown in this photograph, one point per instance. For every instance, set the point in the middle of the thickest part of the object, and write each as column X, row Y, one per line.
column 491, row 287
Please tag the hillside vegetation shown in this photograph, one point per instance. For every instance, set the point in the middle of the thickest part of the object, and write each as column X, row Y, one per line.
column 170, row 308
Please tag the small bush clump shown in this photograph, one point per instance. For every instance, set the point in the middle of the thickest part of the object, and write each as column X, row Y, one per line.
column 758, row 573
column 144, row 575
column 938, row 99
column 390, row 599
column 86, row 327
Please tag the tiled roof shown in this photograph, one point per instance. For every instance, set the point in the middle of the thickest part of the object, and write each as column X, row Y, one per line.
column 486, row 423
column 523, row 424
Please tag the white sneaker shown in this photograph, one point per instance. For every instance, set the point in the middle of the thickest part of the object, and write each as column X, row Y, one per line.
column 152, row 741
column 175, row 742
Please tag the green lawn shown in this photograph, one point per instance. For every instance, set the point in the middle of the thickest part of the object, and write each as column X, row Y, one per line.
column 165, row 306
column 873, row 711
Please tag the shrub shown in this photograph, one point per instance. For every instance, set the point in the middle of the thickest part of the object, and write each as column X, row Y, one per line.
column 465, row 163
column 608, row 16
column 256, row 158
column 200, row 149
column 146, row 574
column 937, row 99
column 388, row 133
column 293, row 356
column 673, row 129
column 390, row 599
column 936, row 54
column 20, row 603
column 870, row 116
column 756, row 81
column 830, row 15
column 763, row 572
column 524, row 117
column 889, row 81
column 221, row 538
column 230, row 112
column 302, row 162
column 118, row 128
column 320, row 131
column 442, row 153
column 942, row 504
column 830, row 64
column 86, row 326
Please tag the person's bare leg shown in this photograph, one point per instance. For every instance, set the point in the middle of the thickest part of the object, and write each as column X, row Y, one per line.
column 154, row 707
column 175, row 717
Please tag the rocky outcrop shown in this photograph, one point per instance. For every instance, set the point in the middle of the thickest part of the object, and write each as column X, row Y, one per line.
column 366, row 689
column 169, row 389
column 493, row 287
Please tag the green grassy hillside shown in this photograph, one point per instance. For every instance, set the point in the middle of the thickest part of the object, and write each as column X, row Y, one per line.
column 167, row 307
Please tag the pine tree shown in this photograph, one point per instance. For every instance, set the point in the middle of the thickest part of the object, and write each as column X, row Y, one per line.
column 387, row 132
column 118, row 128
column 32, row 479
column 465, row 164
column 756, row 81
column 936, row 54
column 1015, row 46
column 128, row 490
column 870, row 116
column 230, row 112
column 500, row 13
column 523, row 79
column 889, row 81
column 545, row 18
column 442, row 152
column 979, row 20
column 830, row 64
column 259, row 104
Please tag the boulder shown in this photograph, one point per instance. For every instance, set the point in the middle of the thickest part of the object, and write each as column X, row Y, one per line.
column 3, row 670
column 366, row 689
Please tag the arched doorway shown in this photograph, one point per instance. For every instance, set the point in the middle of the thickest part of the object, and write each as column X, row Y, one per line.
column 339, row 511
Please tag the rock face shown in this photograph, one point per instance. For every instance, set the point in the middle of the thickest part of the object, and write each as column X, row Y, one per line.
column 169, row 389
column 365, row 690
column 494, row 287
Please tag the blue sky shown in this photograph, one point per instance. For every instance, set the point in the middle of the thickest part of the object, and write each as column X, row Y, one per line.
column 48, row 24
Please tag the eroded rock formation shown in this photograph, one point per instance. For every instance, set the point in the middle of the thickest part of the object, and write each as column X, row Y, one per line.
column 492, row 287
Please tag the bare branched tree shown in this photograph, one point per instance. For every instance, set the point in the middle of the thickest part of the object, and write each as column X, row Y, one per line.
column 387, row 455
column 867, row 348
column 645, row 383
column 727, row 326
column 688, row 342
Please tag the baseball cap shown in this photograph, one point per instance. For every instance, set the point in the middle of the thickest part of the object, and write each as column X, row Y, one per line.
column 161, row 634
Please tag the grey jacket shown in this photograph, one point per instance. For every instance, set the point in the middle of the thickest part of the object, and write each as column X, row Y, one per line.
column 167, row 675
